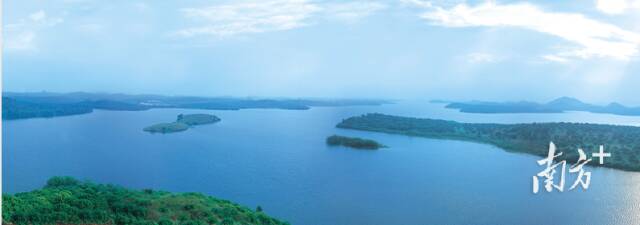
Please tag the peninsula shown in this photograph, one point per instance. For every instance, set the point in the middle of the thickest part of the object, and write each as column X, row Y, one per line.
column 623, row 142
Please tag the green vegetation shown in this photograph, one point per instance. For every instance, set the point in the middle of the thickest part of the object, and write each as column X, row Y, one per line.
column 623, row 142
column 359, row 143
column 65, row 200
column 183, row 122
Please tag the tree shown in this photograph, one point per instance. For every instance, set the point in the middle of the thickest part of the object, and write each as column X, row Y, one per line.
column 61, row 182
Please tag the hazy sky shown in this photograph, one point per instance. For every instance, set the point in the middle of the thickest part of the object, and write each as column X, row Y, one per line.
column 488, row 50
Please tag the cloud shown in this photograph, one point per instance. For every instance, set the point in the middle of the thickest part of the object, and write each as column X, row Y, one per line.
column 419, row 3
column 265, row 16
column 254, row 17
column 22, row 36
column 555, row 58
column 38, row 16
column 617, row 6
column 141, row 6
column 481, row 57
column 22, row 41
column 592, row 38
column 352, row 11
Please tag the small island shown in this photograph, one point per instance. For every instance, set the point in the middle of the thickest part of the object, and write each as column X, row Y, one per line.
column 66, row 200
column 623, row 142
column 182, row 123
column 351, row 142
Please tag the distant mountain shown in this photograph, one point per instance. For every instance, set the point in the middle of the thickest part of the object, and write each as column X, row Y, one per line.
column 567, row 103
column 506, row 107
column 618, row 109
column 558, row 105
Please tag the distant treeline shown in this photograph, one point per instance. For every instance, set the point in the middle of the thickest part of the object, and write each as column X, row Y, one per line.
column 17, row 109
column 30, row 105
column 623, row 142
column 556, row 106
column 65, row 200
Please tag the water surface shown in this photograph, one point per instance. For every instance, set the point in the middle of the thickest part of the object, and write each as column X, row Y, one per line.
column 278, row 159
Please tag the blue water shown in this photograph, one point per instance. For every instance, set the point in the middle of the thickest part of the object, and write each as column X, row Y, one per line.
column 278, row 159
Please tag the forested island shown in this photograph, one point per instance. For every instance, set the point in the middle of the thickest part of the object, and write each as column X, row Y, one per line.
column 623, row 142
column 65, row 200
column 556, row 106
column 182, row 123
column 46, row 104
column 352, row 142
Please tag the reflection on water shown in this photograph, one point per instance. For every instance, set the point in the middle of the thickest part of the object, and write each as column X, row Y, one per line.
column 278, row 159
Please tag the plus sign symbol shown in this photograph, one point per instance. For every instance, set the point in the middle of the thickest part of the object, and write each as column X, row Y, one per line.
column 601, row 154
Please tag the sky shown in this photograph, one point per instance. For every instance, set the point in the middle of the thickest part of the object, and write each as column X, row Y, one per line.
column 398, row 49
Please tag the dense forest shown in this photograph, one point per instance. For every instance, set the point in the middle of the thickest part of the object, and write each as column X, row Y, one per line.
column 623, row 142
column 45, row 104
column 352, row 142
column 65, row 200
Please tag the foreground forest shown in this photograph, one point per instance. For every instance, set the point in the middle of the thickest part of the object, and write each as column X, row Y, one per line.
column 623, row 142
column 65, row 200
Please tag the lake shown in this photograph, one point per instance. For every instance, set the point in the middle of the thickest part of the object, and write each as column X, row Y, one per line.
column 278, row 159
